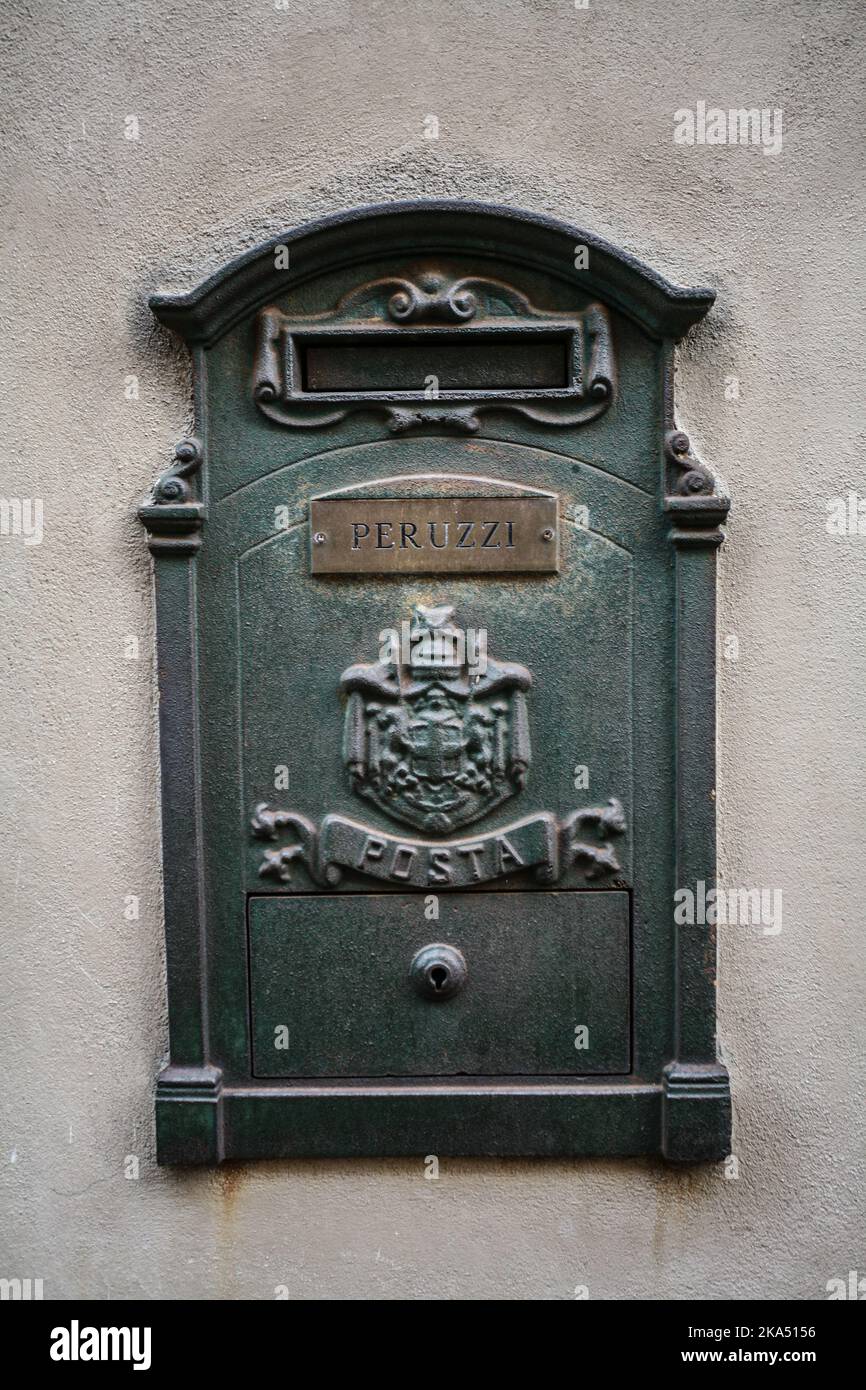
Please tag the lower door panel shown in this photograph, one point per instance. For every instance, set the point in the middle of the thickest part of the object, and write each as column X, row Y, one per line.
column 338, row 987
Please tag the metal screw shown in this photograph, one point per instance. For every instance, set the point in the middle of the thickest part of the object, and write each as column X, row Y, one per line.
column 319, row 538
column 548, row 533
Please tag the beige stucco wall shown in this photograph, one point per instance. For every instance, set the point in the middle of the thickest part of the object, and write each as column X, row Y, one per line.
column 252, row 118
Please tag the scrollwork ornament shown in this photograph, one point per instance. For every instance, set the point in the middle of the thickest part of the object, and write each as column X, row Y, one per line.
column 432, row 298
column 695, row 479
column 173, row 486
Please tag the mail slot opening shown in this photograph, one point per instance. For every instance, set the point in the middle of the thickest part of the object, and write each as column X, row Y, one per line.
column 385, row 362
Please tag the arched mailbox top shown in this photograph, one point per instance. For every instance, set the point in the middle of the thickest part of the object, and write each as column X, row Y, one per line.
column 436, row 226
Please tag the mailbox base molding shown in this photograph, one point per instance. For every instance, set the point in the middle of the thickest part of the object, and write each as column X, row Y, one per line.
column 188, row 1113
column 696, row 1114
column 684, row 1122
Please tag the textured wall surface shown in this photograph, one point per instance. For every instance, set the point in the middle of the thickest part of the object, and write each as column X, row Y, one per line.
column 253, row 116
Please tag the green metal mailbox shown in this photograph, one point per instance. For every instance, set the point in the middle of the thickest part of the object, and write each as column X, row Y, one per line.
column 435, row 589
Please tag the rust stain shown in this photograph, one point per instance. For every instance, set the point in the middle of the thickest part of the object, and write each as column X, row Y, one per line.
column 675, row 1195
column 229, row 1178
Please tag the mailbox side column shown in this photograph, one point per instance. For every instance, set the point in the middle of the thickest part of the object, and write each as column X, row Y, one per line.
column 188, row 1088
column 697, row 1103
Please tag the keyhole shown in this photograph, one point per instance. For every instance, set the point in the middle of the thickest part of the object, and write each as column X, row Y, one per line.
column 438, row 971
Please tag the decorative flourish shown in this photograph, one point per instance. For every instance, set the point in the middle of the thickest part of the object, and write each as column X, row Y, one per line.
column 537, row 842
column 695, row 479
column 433, row 299
column 384, row 306
column 173, row 486
column 172, row 515
column 267, row 824
column 697, row 509
column 609, row 820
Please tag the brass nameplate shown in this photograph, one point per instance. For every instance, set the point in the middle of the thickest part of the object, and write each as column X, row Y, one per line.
column 434, row 535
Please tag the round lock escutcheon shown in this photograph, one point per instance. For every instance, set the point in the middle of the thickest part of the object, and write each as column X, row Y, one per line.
column 438, row 971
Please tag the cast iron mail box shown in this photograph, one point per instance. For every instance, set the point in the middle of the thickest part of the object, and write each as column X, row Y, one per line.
column 435, row 598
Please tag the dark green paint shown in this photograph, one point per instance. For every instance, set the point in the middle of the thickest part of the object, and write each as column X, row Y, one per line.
column 335, row 973
column 621, row 647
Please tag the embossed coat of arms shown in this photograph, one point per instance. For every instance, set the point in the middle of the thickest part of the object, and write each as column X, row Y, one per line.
column 433, row 738
column 436, row 735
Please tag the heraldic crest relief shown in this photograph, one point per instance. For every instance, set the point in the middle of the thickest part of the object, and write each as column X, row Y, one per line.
column 436, row 735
